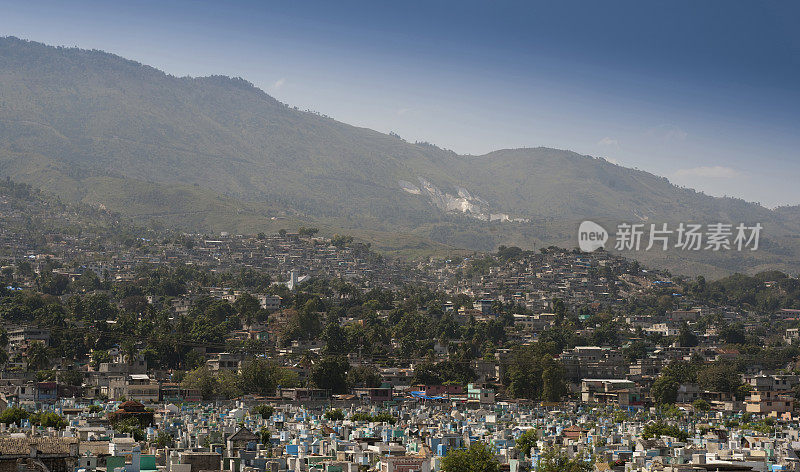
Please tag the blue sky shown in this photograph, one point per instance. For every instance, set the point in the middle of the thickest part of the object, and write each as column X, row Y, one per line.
column 704, row 93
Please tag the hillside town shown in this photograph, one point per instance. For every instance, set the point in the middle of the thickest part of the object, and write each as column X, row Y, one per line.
column 294, row 351
column 437, row 236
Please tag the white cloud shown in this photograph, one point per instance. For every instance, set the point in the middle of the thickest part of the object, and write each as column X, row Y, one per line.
column 279, row 83
column 610, row 142
column 714, row 172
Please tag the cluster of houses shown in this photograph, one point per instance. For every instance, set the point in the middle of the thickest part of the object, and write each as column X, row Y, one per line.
column 605, row 425
column 279, row 256
column 601, row 375
column 535, row 279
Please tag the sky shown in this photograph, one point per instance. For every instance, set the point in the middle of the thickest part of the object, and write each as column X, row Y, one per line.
column 705, row 93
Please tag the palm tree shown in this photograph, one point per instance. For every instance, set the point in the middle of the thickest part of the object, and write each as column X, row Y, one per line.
column 129, row 350
column 37, row 355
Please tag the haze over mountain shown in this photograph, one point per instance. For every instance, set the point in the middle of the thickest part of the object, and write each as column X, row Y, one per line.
column 216, row 153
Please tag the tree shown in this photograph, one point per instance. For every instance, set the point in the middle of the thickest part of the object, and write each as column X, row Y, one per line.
column 265, row 411
column 307, row 231
column 192, row 360
column 364, row 376
column 606, row 333
column 701, row 405
column 334, row 415
column 635, row 351
column 164, row 439
column 38, row 357
column 478, row 458
column 335, row 338
column 659, row 428
column 555, row 460
column 526, row 442
column 99, row 357
column 203, row 380
column 384, row 417
column 228, row 384
column 532, row 373
column 247, row 307
column 25, row 269
column 71, row 377
column 720, row 377
column 554, row 387
column 54, row 284
column 341, row 241
column 559, row 309
column 97, row 307
column 132, row 427
column 264, row 435
column 257, row 378
column 331, row 374
column 444, row 372
column 129, row 350
column 48, row 419
column 664, row 390
column 687, row 338
column 262, row 377
column 361, row 417
column 733, row 333
column 305, row 323
column 13, row 415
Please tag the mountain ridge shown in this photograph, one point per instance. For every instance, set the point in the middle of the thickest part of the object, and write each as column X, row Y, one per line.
column 72, row 121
